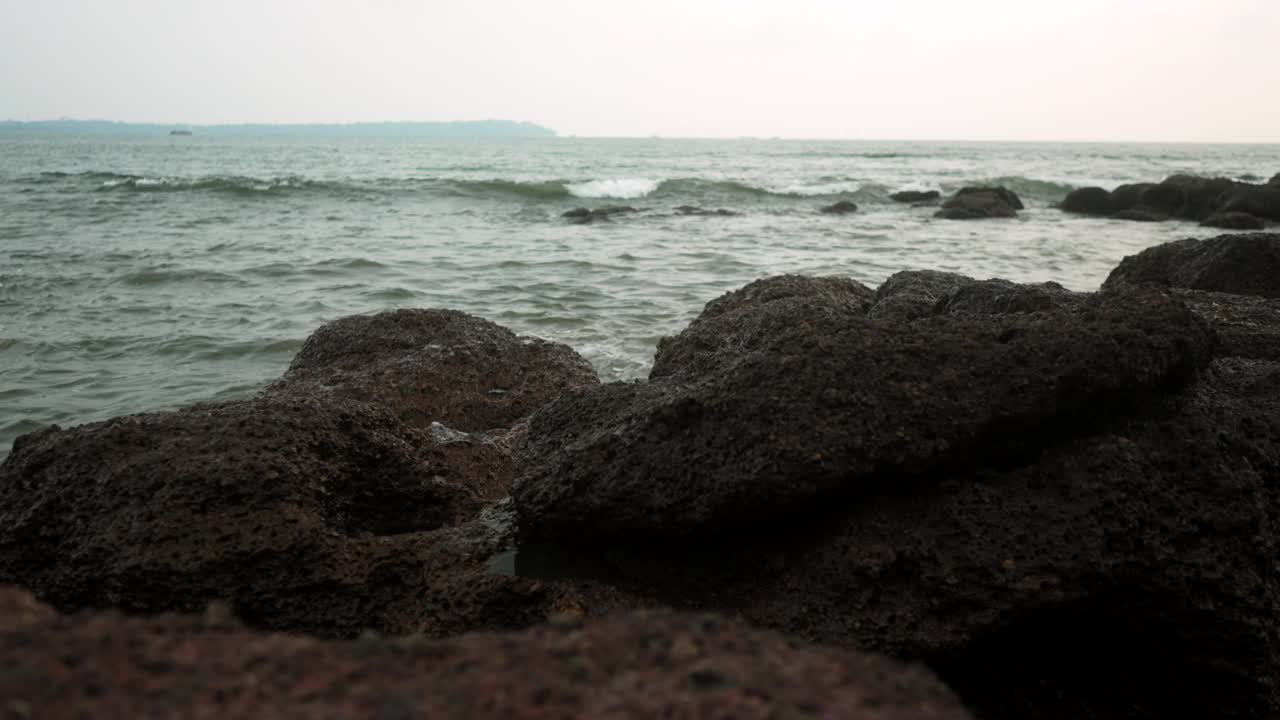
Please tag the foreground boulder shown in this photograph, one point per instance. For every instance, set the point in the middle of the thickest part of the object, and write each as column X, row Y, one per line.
column 976, row 203
column 856, row 400
column 1245, row 264
column 434, row 366
column 639, row 665
column 1059, row 501
column 307, row 514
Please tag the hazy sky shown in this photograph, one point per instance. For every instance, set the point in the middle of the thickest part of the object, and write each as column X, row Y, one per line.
column 1188, row 70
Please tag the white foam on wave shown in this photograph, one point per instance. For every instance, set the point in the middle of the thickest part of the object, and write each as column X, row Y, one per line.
column 620, row 188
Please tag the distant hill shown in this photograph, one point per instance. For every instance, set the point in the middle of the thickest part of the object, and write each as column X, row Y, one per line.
column 475, row 128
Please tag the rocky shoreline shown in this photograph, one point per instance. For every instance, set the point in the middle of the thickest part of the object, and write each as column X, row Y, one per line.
column 941, row 498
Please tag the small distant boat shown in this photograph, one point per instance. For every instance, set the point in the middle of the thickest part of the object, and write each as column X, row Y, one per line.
column 179, row 132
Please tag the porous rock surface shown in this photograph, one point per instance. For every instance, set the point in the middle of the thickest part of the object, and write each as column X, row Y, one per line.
column 831, row 401
column 435, row 366
column 308, row 514
column 638, row 665
column 1244, row 264
column 1098, row 541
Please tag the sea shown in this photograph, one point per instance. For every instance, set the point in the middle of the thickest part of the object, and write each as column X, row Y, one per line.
column 148, row 273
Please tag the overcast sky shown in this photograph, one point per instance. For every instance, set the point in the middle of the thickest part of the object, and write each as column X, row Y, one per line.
column 1169, row 70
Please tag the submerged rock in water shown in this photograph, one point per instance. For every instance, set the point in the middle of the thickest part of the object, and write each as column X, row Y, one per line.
column 912, row 196
column 317, row 515
column 1088, row 201
column 694, row 210
column 1232, row 220
column 976, row 203
column 1246, row 264
column 582, row 215
column 434, row 366
column 636, row 665
column 841, row 207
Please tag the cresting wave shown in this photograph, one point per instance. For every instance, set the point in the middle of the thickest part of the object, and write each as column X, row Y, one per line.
column 689, row 189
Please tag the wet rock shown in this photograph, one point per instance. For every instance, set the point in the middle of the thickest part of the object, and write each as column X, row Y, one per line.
column 694, row 210
column 1275, row 179
column 638, row 665
column 1127, row 197
column 306, row 514
column 434, row 366
column 1259, row 201
column 1140, row 214
column 1088, row 201
column 840, row 208
column 913, row 196
column 740, row 321
column 1199, row 197
column 1232, row 220
column 582, row 215
column 1245, row 264
column 975, row 203
column 849, row 403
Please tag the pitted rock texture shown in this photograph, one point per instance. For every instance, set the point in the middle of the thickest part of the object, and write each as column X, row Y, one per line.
column 741, row 320
column 435, row 366
column 1243, row 264
column 836, row 402
column 316, row 515
column 638, row 665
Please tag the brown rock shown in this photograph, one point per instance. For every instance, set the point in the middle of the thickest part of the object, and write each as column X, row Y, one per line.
column 639, row 665
column 435, row 366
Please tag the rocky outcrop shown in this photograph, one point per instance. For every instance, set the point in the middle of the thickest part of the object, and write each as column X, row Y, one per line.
column 1245, row 264
column 1232, row 220
column 862, row 400
column 434, row 366
column 307, row 514
column 1275, row 179
column 976, row 203
column 583, row 216
column 842, row 207
column 639, row 665
column 1088, row 201
column 1216, row 202
column 743, row 319
column 914, row 196
column 841, row 477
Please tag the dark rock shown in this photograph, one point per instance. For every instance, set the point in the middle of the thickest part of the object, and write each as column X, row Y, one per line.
column 694, row 210
column 435, row 366
column 739, row 321
column 1260, row 201
column 1127, row 197
column 316, row 515
column 1201, row 197
column 913, row 196
column 840, row 208
column 1140, row 214
column 1232, row 220
column 974, row 203
column 912, row 294
column 583, row 215
column 1164, row 199
column 1244, row 264
column 998, row 297
column 637, row 665
column 848, row 403
column 1275, row 179
column 1088, row 201
column 1246, row 326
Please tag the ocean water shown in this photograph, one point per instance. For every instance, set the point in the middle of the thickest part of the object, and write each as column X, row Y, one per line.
column 149, row 273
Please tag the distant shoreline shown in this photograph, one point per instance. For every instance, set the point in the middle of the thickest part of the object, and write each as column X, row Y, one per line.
column 475, row 128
